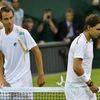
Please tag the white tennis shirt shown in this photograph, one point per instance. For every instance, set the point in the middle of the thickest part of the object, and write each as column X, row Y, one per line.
column 80, row 48
column 17, row 61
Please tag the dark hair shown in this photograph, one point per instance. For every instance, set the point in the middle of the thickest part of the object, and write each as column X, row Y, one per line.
column 13, row 1
column 91, row 20
column 47, row 10
column 70, row 10
column 27, row 20
column 5, row 9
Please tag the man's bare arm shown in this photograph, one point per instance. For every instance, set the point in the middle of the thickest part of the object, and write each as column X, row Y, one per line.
column 40, row 28
column 53, row 27
column 80, row 72
column 38, row 59
column 1, row 70
column 78, row 66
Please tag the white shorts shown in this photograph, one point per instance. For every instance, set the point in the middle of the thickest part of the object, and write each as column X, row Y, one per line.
column 79, row 93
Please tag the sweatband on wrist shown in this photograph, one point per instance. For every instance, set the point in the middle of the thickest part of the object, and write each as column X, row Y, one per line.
column 84, row 78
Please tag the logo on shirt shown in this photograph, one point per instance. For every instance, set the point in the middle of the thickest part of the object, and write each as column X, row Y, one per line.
column 21, row 33
column 15, row 44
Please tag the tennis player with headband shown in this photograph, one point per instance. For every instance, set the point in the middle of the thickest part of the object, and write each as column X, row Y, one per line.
column 79, row 85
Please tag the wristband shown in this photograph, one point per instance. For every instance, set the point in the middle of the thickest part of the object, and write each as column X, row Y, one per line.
column 90, row 83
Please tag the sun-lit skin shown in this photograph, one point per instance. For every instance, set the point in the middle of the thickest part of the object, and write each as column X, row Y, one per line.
column 92, row 32
column 8, row 20
column 69, row 16
column 95, row 31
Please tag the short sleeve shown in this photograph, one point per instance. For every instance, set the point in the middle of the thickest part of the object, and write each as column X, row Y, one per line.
column 79, row 50
column 30, row 42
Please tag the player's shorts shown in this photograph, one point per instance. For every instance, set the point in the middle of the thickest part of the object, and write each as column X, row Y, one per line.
column 79, row 93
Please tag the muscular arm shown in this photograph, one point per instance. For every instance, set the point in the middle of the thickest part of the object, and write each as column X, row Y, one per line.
column 80, row 71
column 78, row 66
column 38, row 59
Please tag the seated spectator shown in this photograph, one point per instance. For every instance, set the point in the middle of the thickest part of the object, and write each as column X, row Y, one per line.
column 47, row 28
column 28, row 23
column 19, row 13
column 68, row 29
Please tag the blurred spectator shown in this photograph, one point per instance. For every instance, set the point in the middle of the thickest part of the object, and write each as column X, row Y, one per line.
column 19, row 13
column 47, row 27
column 28, row 24
column 4, row 3
column 94, row 8
column 68, row 29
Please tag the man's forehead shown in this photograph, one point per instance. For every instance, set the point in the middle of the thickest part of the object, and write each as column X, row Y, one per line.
column 98, row 25
column 7, row 13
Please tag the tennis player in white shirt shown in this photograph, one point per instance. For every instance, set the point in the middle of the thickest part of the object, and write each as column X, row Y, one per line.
column 79, row 85
column 15, row 43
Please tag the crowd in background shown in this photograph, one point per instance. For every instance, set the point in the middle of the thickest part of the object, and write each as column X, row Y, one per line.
column 48, row 29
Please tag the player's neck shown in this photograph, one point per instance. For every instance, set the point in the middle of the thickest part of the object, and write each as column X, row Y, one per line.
column 87, row 35
column 8, row 31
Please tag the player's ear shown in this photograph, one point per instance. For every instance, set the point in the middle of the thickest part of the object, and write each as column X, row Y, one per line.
column 88, row 27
